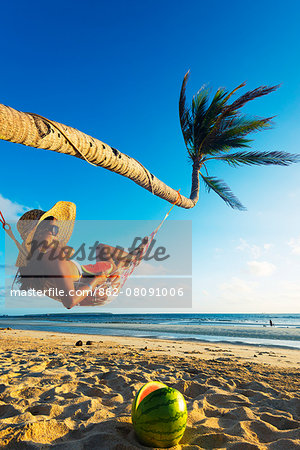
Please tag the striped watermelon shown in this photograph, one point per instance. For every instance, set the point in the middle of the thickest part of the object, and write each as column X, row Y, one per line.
column 98, row 268
column 159, row 415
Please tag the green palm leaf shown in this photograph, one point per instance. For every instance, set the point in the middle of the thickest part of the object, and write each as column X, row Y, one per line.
column 243, row 125
column 184, row 114
column 251, row 95
column 199, row 112
column 259, row 158
column 205, row 127
column 225, row 115
column 232, row 134
column 223, row 191
column 224, row 144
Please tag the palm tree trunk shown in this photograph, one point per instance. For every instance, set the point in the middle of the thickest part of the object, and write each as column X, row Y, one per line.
column 36, row 131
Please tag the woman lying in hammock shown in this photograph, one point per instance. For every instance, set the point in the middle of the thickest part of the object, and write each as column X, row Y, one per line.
column 45, row 264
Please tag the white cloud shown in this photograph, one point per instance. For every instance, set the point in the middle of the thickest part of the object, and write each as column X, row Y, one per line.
column 261, row 268
column 148, row 269
column 235, row 287
column 294, row 243
column 294, row 194
column 267, row 246
column 290, row 286
column 254, row 250
column 11, row 210
column 218, row 250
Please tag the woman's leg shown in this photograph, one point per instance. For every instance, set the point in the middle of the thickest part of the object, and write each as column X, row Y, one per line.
column 119, row 258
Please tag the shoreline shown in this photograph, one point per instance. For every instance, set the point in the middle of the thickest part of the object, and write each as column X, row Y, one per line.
column 272, row 337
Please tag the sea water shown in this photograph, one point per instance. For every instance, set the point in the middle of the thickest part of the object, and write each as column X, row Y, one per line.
column 252, row 329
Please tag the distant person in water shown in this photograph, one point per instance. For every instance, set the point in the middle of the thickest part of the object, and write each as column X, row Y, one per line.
column 271, row 323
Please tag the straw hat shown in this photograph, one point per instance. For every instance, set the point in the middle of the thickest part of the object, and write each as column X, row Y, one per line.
column 63, row 212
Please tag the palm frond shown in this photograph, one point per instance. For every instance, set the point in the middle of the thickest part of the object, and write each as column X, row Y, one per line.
column 215, row 108
column 223, row 191
column 199, row 112
column 225, row 112
column 234, row 91
column 232, row 135
column 224, row 144
column 199, row 102
column 259, row 158
column 251, row 95
column 184, row 113
column 203, row 126
column 221, row 115
column 227, row 118
column 243, row 125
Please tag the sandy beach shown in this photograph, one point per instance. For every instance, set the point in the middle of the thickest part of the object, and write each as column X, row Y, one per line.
column 54, row 394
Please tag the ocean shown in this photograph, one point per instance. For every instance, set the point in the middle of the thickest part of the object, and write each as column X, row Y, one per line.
column 253, row 329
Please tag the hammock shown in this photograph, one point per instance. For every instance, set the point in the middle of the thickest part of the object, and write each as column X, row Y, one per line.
column 116, row 279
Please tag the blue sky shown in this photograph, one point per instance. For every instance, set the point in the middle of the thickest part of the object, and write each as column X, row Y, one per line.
column 114, row 70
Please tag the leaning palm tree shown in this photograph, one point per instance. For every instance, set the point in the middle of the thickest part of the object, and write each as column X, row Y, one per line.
column 211, row 129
